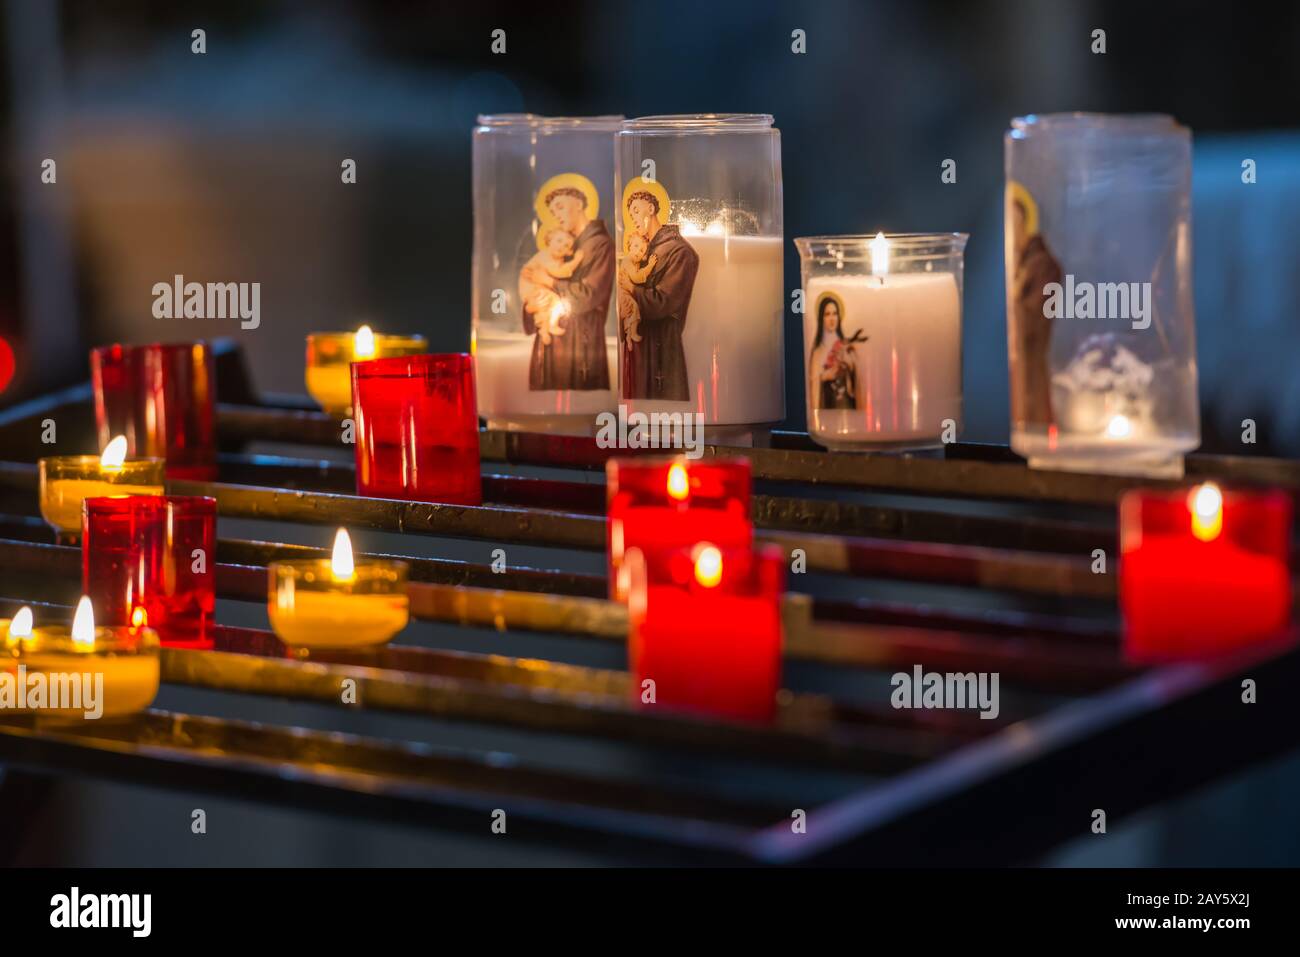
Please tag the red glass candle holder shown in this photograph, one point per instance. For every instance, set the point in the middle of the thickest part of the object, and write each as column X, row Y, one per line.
column 161, row 398
column 1203, row 571
column 661, row 505
column 417, row 428
column 150, row 560
column 706, row 630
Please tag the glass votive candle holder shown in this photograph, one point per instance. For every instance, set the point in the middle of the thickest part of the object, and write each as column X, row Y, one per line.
column 705, row 630
column 1101, row 327
column 1203, row 570
column 151, row 561
column 161, row 397
column 88, row 672
column 66, row 481
column 700, row 292
column 312, row 605
column 417, row 429
column 882, row 339
column 330, row 356
column 661, row 505
column 542, row 306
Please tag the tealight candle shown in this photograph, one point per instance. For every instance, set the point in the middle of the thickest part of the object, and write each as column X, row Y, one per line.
column 661, row 505
column 337, row 603
column 121, row 662
column 706, row 630
column 66, row 481
column 1203, row 571
column 330, row 355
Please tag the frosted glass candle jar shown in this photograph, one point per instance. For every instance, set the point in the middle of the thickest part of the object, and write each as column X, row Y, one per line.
column 700, row 294
column 1100, row 325
column 543, row 271
column 882, row 338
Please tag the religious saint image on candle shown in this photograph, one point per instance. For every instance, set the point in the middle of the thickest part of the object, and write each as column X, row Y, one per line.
column 655, row 281
column 1031, row 333
column 565, row 287
column 833, row 360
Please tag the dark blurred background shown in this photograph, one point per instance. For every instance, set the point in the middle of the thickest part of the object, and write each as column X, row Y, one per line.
column 225, row 166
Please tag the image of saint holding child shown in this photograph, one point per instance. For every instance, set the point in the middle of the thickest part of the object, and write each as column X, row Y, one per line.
column 565, row 288
column 655, row 282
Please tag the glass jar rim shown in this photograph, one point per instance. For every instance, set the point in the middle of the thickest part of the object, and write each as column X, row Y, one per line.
column 700, row 123
column 121, row 504
column 857, row 247
column 404, row 367
column 366, row 570
column 1084, row 120
column 533, row 121
column 413, row 336
column 164, row 347
column 109, row 639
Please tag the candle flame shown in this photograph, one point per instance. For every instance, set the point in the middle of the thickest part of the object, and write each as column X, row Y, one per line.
column 139, row 617
column 21, row 626
column 679, row 484
column 363, row 343
column 880, row 255
column 83, row 625
column 341, row 563
column 1119, row 427
column 1206, row 504
column 708, row 565
column 114, row 453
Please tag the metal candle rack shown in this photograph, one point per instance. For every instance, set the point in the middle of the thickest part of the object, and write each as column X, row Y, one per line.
column 1079, row 729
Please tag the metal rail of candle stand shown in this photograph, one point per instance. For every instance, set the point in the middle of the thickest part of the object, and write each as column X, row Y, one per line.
column 939, row 770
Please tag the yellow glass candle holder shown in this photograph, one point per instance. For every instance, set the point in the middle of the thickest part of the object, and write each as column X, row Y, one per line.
column 336, row 603
column 121, row 663
column 331, row 354
column 68, row 480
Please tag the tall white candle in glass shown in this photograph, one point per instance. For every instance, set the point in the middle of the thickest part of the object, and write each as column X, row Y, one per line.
column 882, row 339
column 700, row 291
column 545, row 354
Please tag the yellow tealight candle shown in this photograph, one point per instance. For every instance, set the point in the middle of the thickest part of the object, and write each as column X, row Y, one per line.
column 79, row 673
column 337, row 603
column 68, row 480
column 330, row 356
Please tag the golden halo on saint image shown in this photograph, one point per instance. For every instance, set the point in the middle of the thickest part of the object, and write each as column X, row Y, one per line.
column 567, row 181
column 1017, row 195
column 656, row 189
column 817, row 309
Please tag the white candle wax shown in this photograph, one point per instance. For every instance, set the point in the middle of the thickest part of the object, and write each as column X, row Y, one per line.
column 906, row 378
column 734, row 337
column 501, row 380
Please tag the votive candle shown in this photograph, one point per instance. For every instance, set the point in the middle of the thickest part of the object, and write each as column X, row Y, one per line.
column 660, row 505
column 417, row 429
column 706, row 631
column 1203, row 570
column 162, row 398
column 66, row 481
column 330, row 356
column 338, row 602
column 150, row 560
column 126, row 658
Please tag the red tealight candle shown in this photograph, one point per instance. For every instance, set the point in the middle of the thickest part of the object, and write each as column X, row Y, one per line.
column 150, row 560
column 662, row 505
column 706, row 630
column 161, row 398
column 417, row 428
column 1203, row 571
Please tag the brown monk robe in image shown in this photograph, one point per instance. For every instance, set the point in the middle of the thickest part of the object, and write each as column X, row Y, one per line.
column 1031, row 333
